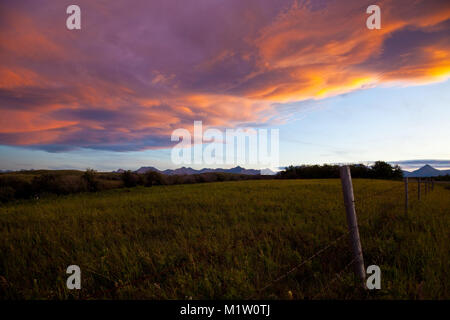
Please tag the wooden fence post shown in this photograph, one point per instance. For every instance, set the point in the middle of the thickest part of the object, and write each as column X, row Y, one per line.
column 432, row 184
column 349, row 201
column 406, row 195
column 418, row 188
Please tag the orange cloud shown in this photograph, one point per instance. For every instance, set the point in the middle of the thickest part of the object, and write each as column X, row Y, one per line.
column 134, row 74
column 18, row 77
column 322, row 54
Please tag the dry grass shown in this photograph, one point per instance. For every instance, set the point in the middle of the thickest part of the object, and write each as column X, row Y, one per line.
column 224, row 240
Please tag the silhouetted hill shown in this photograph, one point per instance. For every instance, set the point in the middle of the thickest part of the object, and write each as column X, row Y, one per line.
column 146, row 169
column 188, row 171
column 426, row 171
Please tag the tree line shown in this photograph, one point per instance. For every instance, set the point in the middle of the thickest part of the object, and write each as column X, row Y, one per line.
column 36, row 184
column 379, row 170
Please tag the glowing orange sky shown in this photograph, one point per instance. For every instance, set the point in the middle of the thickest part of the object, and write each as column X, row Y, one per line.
column 139, row 69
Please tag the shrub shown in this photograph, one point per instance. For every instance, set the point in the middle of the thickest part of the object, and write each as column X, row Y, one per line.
column 176, row 179
column 71, row 184
column 15, row 187
column 6, row 193
column 188, row 179
column 58, row 184
column 130, row 179
column 220, row 176
column 153, row 178
column 90, row 179
column 45, row 183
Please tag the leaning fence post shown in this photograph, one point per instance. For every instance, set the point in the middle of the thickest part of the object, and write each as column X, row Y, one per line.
column 418, row 188
column 406, row 195
column 349, row 201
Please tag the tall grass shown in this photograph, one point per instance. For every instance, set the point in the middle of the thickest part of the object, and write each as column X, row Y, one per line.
column 224, row 240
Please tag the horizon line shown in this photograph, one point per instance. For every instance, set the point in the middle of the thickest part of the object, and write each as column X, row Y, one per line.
column 405, row 165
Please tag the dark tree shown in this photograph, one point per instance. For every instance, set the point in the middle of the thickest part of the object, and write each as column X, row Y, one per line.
column 129, row 179
column 153, row 178
column 91, row 182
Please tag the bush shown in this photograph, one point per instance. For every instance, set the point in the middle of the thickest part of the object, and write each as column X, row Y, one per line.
column 111, row 176
column 15, row 187
column 220, row 176
column 208, row 177
column 90, row 179
column 153, row 178
column 71, row 184
column 130, row 179
column 58, row 184
column 188, row 179
column 6, row 193
column 442, row 178
column 45, row 183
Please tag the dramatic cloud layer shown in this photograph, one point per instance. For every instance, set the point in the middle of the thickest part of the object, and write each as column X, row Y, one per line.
column 140, row 69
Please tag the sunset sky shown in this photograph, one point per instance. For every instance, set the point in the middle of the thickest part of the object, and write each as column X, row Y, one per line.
column 109, row 95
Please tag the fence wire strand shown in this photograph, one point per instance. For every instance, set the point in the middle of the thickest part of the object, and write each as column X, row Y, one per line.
column 331, row 244
column 337, row 276
column 298, row 266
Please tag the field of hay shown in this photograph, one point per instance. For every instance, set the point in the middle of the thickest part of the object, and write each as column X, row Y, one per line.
column 225, row 240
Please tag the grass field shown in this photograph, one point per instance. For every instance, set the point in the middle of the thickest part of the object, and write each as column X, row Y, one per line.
column 225, row 240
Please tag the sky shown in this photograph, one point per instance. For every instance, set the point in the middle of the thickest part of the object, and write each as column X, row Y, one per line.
column 110, row 95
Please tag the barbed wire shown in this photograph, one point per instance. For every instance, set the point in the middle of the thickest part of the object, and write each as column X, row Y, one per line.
column 329, row 245
column 125, row 284
column 290, row 271
column 337, row 276
column 298, row 266
column 379, row 193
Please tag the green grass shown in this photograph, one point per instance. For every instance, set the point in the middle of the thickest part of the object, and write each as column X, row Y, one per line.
column 225, row 241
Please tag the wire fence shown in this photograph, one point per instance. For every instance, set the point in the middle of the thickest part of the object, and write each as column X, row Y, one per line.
column 297, row 267
column 339, row 274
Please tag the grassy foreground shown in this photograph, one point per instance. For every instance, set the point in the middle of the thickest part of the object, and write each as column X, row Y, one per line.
column 225, row 240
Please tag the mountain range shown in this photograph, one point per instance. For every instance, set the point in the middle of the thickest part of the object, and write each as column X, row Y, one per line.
column 425, row 171
column 185, row 171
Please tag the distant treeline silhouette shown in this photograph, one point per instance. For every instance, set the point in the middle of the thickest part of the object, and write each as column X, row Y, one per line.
column 442, row 178
column 153, row 178
column 38, row 183
column 379, row 170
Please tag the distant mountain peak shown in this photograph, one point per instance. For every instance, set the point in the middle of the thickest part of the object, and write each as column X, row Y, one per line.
column 425, row 172
column 188, row 170
column 146, row 169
